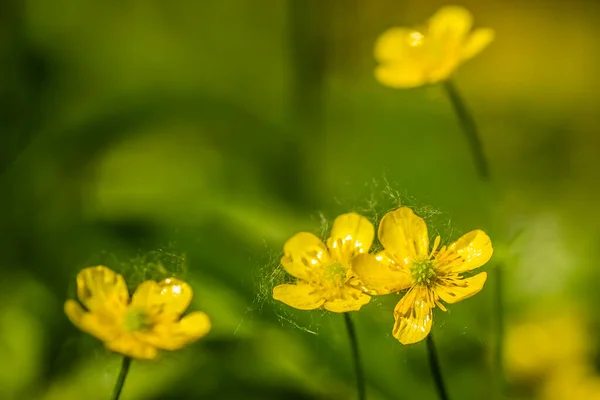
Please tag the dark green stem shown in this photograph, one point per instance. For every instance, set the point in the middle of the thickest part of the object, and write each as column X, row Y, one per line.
column 436, row 370
column 121, row 379
column 469, row 127
column 360, row 380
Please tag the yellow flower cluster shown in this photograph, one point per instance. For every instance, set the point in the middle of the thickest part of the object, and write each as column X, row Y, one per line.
column 140, row 326
column 410, row 57
column 341, row 275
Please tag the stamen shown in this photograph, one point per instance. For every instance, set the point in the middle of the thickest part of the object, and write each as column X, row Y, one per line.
column 423, row 272
column 436, row 243
column 136, row 320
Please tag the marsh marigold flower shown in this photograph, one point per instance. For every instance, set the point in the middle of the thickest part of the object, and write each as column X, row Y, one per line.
column 324, row 272
column 140, row 326
column 430, row 275
column 411, row 57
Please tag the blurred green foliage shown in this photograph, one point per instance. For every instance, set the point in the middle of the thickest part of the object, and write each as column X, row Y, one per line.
column 200, row 135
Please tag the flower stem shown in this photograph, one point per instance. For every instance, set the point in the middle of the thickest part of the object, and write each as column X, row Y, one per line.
column 121, row 379
column 469, row 128
column 471, row 132
column 360, row 380
column 436, row 370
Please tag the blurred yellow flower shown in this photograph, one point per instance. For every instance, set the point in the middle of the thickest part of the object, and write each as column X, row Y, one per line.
column 541, row 344
column 136, row 328
column 572, row 381
column 412, row 57
column 431, row 276
column 324, row 273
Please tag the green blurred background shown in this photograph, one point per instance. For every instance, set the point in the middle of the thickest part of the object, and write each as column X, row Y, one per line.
column 200, row 135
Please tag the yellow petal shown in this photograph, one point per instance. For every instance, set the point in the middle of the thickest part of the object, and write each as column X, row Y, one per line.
column 450, row 23
column 100, row 287
column 129, row 345
column 193, row 326
column 379, row 274
column 174, row 336
column 455, row 290
column 304, row 255
column 351, row 234
column 393, row 45
column 476, row 42
column 469, row 252
column 301, row 296
column 100, row 324
column 351, row 300
column 401, row 75
column 404, row 236
column 163, row 301
column 445, row 68
column 414, row 316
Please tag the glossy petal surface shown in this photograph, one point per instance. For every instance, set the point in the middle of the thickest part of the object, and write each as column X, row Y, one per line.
column 404, row 236
column 351, row 300
column 301, row 296
column 379, row 274
column 164, row 301
column 102, row 325
column 101, row 288
column 304, row 256
column 393, row 45
column 414, row 316
column 351, row 234
column 177, row 335
column 469, row 252
column 455, row 290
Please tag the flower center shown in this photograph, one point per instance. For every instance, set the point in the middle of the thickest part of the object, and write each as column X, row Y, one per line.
column 336, row 274
column 136, row 320
column 423, row 272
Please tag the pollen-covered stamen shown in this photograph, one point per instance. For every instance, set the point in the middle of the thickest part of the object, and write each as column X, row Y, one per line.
column 423, row 272
column 335, row 274
column 136, row 320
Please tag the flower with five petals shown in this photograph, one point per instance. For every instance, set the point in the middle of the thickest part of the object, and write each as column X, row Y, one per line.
column 324, row 276
column 430, row 275
column 411, row 57
column 140, row 327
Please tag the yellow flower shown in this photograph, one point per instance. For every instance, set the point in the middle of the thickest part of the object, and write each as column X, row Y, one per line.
column 136, row 328
column 533, row 348
column 431, row 276
column 324, row 273
column 572, row 381
column 411, row 57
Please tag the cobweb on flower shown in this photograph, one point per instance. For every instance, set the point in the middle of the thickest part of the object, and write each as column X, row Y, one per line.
column 382, row 197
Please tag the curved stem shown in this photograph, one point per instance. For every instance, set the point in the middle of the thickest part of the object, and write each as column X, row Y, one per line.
column 121, row 379
column 360, row 380
column 436, row 370
column 469, row 127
